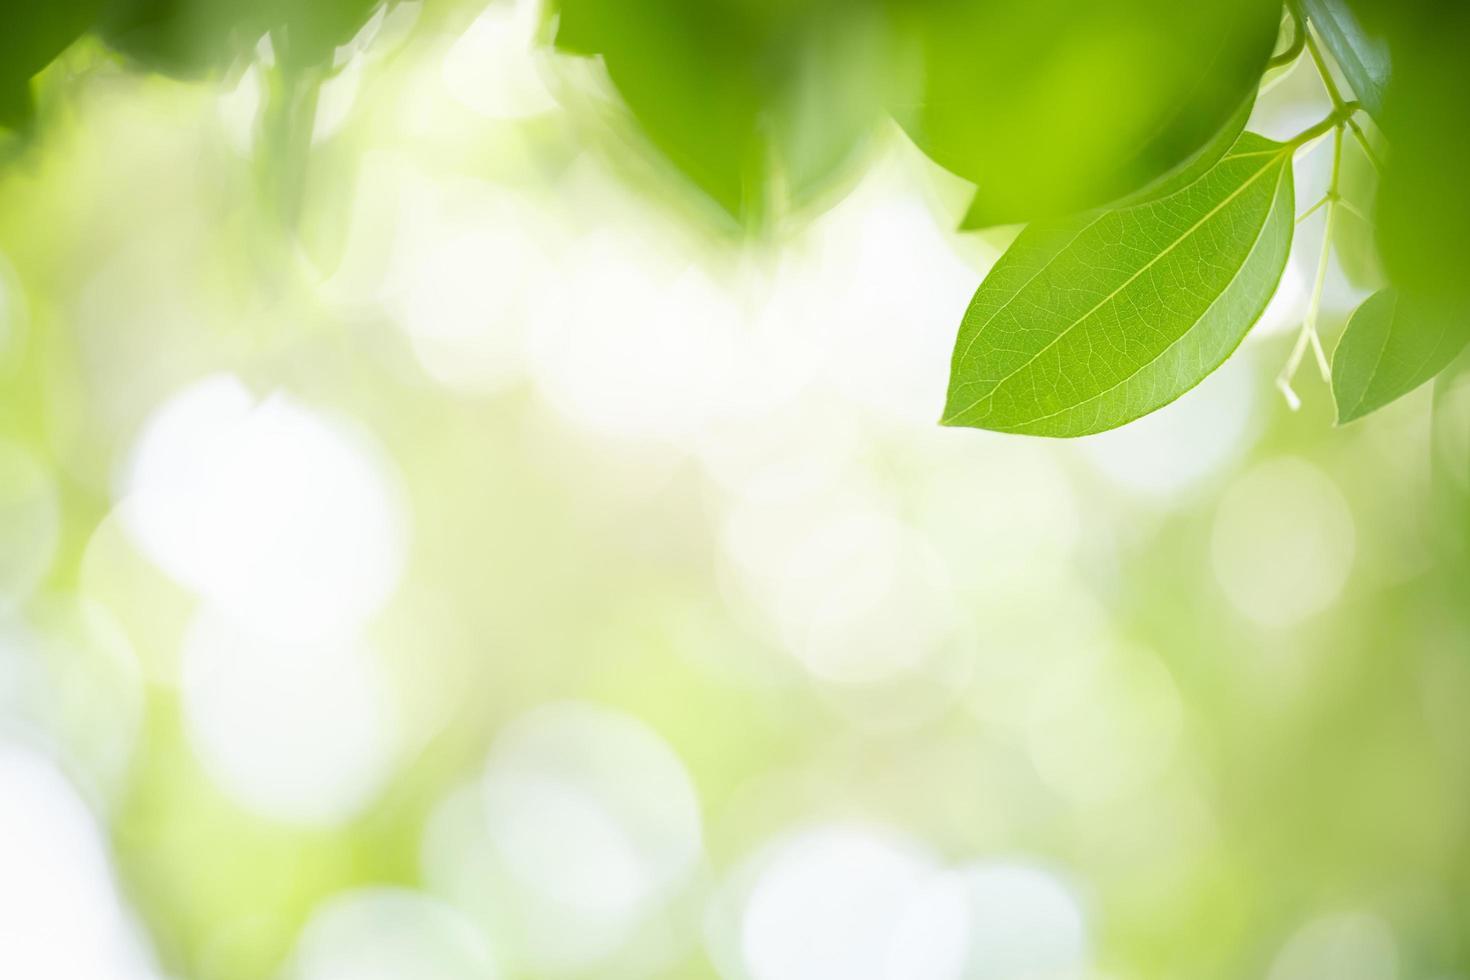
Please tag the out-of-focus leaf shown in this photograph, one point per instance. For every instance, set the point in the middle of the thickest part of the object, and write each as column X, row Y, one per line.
column 1362, row 56
column 740, row 94
column 1186, row 173
column 193, row 37
column 1092, row 321
column 31, row 35
column 1053, row 107
column 308, row 33
column 1392, row 345
column 1353, row 234
column 1423, row 211
column 183, row 37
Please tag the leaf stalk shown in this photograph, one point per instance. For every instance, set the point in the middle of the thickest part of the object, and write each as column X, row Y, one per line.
column 1309, row 336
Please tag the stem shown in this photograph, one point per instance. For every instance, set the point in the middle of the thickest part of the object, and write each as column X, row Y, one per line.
column 1367, row 147
column 1313, row 209
column 1328, row 82
column 1308, row 337
column 1350, row 208
column 1338, row 102
column 1298, row 40
column 1342, row 112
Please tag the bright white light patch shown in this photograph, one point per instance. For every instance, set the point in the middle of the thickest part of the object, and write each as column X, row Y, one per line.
column 642, row 348
column 828, row 905
column 863, row 599
column 390, row 934
column 68, row 670
column 30, row 522
column 1283, row 542
column 492, row 69
column 593, row 820
column 302, row 732
column 992, row 922
column 60, row 914
column 462, row 300
column 1166, row 453
column 281, row 516
column 885, row 297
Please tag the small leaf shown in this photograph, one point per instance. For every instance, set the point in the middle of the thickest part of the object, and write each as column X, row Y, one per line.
column 1092, row 321
column 1362, row 57
column 1392, row 345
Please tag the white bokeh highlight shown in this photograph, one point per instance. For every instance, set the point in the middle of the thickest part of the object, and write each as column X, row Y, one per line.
column 30, row 522
column 303, row 732
column 390, row 934
column 492, row 68
column 61, row 914
column 1003, row 921
column 285, row 517
column 582, row 833
column 1283, row 542
column 828, row 903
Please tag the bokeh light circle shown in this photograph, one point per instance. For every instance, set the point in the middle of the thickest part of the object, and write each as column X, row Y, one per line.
column 828, row 904
column 390, row 934
column 1283, row 542
column 286, row 517
column 305, row 731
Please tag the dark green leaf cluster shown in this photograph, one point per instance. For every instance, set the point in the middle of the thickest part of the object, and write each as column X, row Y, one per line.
column 1046, row 107
column 177, row 37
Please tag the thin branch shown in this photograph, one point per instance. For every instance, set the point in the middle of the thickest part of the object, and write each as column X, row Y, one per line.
column 1298, row 41
column 1308, row 337
column 1328, row 82
column 1354, row 210
column 1362, row 139
column 1314, row 208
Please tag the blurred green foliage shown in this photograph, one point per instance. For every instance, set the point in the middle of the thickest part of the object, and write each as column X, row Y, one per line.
column 1319, row 765
column 1051, row 108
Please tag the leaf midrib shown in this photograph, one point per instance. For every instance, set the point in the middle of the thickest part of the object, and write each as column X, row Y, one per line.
column 1183, row 336
column 975, row 336
column 1277, row 154
column 1393, row 312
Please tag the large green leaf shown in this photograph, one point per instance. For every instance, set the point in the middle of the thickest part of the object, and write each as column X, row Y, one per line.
column 1092, row 321
column 758, row 103
column 1392, row 345
column 1362, row 55
column 1423, row 210
column 1049, row 108
column 1186, row 172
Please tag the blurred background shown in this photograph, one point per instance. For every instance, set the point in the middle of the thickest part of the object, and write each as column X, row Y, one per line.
column 489, row 559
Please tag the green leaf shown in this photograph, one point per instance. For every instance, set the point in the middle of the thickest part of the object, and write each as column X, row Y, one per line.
column 195, row 37
column 1092, row 321
column 1050, row 108
column 184, row 38
column 1185, row 173
column 760, row 105
column 31, row 36
column 1392, row 345
column 1423, row 209
column 1363, row 57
